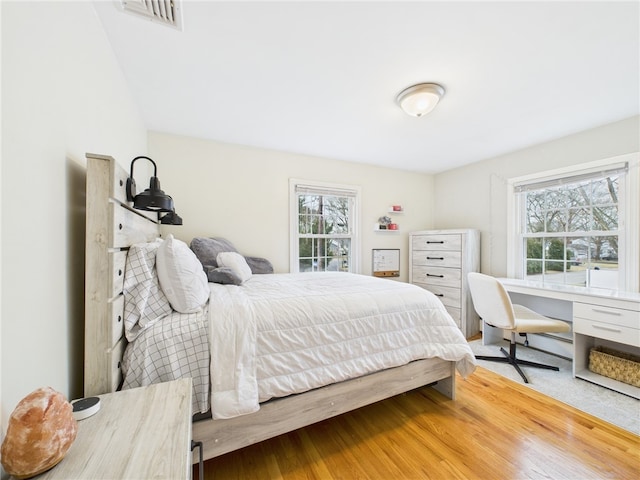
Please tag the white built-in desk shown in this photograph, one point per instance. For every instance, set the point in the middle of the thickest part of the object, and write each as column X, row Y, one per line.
column 599, row 317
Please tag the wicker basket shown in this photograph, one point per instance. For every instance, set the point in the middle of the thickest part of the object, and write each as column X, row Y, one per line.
column 620, row 366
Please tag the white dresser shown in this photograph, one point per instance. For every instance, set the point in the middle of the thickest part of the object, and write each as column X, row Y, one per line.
column 439, row 261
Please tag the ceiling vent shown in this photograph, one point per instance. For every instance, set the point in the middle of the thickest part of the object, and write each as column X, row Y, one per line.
column 166, row 12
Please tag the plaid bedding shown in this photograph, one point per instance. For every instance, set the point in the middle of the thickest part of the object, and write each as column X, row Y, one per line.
column 176, row 346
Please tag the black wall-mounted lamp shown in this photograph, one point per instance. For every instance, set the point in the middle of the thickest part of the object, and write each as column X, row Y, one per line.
column 153, row 198
column 171, row 218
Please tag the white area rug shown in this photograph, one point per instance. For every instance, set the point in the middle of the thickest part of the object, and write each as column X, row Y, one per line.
column 613, row 407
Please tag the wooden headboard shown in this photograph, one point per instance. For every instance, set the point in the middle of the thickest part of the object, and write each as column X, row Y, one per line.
column 111, row 227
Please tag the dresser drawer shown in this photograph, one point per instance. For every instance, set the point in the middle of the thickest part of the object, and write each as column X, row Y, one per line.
column 609, row 315
column 436, row 242
column 449, row 296
column 441, row 258
column 448, row 277
column 615, row 333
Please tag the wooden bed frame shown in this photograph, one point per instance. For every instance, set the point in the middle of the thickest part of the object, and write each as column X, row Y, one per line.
column 112, row 226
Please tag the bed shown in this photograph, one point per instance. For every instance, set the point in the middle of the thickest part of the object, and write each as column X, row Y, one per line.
column 300, row 347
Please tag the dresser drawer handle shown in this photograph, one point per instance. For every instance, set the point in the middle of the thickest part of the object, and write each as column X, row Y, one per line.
column 615, row 330
column 434, row 241
column 617, row 314
column 438, row 276
column 439, row 294
column 435, row 258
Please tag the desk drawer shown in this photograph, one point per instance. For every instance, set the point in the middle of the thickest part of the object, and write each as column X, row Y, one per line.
column 443, row 258
column 436, row 242
column 609, row 315
column 615, row 333
column 447, row 277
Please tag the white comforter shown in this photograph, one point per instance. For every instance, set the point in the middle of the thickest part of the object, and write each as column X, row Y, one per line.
column 288, row 333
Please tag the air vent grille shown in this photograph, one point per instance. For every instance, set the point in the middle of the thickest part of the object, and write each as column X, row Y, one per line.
column 166, row 12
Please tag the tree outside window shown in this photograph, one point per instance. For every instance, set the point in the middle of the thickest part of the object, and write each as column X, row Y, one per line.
column 571, row 230
column 324, row 237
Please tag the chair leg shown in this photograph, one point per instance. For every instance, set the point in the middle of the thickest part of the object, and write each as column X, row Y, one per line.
column 513, row 360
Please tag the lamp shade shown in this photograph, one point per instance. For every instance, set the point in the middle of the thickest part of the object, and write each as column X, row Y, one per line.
column 420, row 99
column 171, row 218
column 153, row 198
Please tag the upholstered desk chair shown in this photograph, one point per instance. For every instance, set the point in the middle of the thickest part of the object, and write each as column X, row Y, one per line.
column 492, row 303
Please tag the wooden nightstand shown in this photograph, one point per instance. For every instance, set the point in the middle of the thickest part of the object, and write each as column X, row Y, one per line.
column 139, row 433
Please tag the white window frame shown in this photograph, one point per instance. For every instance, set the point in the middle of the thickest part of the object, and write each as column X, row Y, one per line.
column 353, row 190
column 629, row 223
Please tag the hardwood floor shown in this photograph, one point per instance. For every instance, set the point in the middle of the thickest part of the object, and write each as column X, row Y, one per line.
column 496, row 429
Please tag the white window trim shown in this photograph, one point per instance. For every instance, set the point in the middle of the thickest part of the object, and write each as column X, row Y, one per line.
column 294, row 266
column 630, row 222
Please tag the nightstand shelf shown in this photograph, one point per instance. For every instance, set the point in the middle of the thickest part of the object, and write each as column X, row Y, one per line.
column 139, row 433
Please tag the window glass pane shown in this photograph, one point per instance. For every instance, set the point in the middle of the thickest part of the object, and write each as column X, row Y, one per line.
column 579, row 220
column 305, row 265
column 559, row 197
column 554, row 249
column 556, row 220
column 578, row 250
column 603, row 268
column 534, row 270
column 605, row 191
column 319, row 252
column 322, row 225
column 554, row 272
column 305, row 249
column 339, row 255
column 304, row 224
column 609, row 249
column 533, row 247
column 579, row 194
column 605, row 249
column 534, row 217
column 605, row 218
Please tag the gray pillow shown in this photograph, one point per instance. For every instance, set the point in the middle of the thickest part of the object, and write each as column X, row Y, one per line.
column 223, row 275
column 207, row 249
column 259, row 265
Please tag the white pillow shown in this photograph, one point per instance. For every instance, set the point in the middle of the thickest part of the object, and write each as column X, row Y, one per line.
column 181, row 276
column 236, row 263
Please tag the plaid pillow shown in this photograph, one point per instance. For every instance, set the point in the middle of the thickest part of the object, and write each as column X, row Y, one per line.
column 144, row 301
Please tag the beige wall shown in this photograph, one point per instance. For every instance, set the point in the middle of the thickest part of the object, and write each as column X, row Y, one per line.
column 63, row 94
column 242, row 193
column 485, row 182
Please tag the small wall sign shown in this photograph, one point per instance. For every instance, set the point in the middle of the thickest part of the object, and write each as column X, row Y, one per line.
column 386, row 262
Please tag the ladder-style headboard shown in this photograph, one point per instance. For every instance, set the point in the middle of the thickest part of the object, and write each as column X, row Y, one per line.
column 111, row 227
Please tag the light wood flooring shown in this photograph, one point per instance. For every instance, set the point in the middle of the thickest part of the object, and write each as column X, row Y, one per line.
column 496, row 429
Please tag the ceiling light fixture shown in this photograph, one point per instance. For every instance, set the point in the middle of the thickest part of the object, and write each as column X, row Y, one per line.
column 420, row 99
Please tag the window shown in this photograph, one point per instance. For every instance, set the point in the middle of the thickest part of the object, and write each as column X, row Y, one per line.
column 578, row 227
column 323, row 227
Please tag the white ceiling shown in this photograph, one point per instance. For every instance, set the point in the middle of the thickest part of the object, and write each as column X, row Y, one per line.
column 320, row 78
